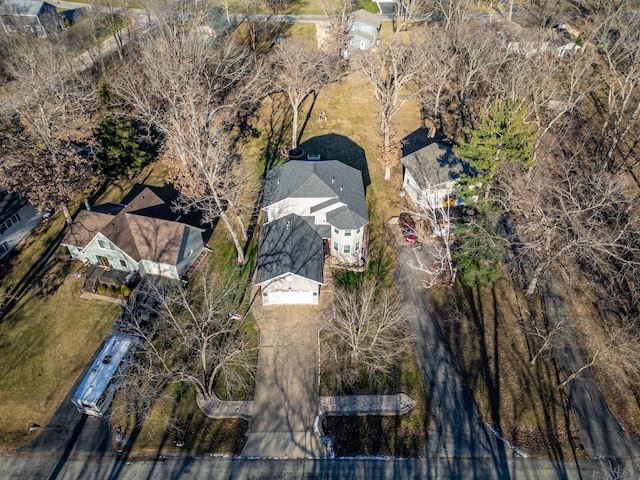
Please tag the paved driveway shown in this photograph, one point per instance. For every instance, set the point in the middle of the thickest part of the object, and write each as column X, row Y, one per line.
column 600, row 432
column 287, row 397
column 457, row 429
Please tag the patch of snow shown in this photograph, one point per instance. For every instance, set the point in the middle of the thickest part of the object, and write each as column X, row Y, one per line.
column 519, row 452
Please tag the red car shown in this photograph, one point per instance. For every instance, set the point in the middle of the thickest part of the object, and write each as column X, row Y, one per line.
column 408, row 228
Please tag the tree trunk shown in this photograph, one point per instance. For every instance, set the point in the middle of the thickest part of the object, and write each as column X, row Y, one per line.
column 243, row 230
column 67, row 213
column 227, row 223
column 294, row 126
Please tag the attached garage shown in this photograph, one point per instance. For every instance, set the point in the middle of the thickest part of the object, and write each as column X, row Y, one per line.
column 290, row 263
column 290, row 289
column 289, row 298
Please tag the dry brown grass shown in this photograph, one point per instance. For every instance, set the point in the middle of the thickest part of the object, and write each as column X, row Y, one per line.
column 487, row 331
column 46, row 341
column 48, row 336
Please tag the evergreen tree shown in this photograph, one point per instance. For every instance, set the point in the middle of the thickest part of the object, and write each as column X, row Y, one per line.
column 119, row 151
column 503, row 136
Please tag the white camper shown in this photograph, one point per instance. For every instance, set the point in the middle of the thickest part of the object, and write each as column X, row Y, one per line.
column 99, row 386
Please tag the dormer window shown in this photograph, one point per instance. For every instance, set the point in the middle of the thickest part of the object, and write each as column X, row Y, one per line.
column 347, row 233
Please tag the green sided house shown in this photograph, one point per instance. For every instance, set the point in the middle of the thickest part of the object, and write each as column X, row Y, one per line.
column 141, row 237
column 312, row 208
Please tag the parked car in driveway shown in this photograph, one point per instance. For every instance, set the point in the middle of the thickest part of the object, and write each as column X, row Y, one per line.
column 408, row 228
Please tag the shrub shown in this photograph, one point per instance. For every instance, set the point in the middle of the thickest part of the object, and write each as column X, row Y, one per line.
column 125, row 290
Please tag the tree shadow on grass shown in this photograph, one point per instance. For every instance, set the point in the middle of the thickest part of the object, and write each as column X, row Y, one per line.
column 333, row 146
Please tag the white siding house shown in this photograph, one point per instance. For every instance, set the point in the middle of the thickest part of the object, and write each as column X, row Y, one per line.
column 17, row 219
column 431, row 173
column 309, row 204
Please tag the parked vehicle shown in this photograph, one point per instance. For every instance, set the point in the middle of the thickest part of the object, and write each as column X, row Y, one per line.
column 408, row 228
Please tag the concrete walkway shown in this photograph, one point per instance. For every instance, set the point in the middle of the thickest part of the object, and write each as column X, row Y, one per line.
column 397, row 404
column 216, row 408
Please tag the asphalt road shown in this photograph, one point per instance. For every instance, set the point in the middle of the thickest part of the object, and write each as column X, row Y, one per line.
column 97, row 468
column 457, row 429
column 600, row 432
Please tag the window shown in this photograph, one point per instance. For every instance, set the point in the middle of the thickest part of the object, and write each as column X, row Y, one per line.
column 335, row 230
column 4, row 226
column 3, row 248
column 347, row 233
column 106, row 245
column 335, row 246
column 358, row 231
column 357, row 246
column 347, row 248
column 123, row 263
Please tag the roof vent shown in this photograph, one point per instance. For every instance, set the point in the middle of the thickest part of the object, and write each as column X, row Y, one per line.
column 278, row 181
column 340, row 187
column 333, row 179
column 288, row 224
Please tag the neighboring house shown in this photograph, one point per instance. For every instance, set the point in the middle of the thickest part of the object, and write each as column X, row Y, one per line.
column 17, row 219
column 363, row 29
column 309, row 205
column 30, row 17
column 142, row 236
column 430, row 174
column 531, row 49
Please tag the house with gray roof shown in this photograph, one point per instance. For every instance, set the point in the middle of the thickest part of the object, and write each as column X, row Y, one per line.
column 17, row 218
column 141, row 237
column 311, row 207
column 363, row 29
column 430, row 174
column 29, row 17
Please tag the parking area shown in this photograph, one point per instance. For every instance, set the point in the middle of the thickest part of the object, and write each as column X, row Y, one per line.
column 393, row 224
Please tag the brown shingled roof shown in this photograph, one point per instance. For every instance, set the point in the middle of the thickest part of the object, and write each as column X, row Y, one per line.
column 143, row 229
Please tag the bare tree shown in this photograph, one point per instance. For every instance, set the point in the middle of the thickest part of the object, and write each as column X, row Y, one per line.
column 392, row 71
column 188, row 335
column 411, row 12
column 438, row 64
column 452, row 12
column 435, row 258
column 194, row 94
column 53, row 106
column 616, row 36
column 299, row 70
column 617, row 352
column 366, row 332
column 549, row 338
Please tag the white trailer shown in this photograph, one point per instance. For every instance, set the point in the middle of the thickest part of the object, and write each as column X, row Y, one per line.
column 100, row 384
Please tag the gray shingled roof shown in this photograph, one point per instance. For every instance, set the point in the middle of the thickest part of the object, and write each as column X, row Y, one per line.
column 290, row 245
column 143, row 229
column 366, row 17
column 320, row 179
column 434, row 164
column 22, row 7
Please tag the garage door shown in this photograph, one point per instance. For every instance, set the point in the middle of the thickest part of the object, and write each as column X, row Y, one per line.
column 291, row 298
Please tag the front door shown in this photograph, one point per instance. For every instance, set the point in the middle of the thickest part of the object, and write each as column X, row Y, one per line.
column 102, row 261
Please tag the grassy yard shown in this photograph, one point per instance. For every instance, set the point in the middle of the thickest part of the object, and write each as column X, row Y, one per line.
column 487, row 331
column 46, row 337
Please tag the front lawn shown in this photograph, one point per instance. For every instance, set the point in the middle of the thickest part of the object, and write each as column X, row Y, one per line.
column 489, row 331
column 46, row 340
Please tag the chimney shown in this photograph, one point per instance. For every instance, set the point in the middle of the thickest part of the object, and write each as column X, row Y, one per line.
column 86, row 204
